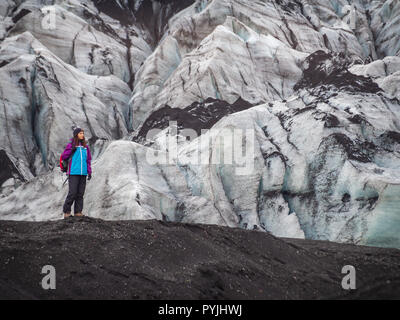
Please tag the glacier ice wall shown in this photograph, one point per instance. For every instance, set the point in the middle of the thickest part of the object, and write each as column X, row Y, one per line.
column 315, row 81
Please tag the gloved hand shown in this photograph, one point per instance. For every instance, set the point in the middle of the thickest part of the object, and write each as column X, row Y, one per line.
column 89, row 176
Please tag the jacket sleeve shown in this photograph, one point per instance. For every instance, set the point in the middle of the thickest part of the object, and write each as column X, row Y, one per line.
column 67, row 152
column 89, row 160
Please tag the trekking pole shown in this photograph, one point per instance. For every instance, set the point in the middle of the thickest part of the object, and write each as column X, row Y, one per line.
column 65, row 181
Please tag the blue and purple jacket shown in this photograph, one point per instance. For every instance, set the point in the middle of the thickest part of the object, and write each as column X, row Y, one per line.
column 80, row 162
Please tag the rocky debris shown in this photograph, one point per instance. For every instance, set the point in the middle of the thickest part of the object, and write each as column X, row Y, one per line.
column 331, row 70
column 96, row 259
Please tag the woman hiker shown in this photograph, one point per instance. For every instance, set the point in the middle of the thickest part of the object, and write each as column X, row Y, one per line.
column 78, row 170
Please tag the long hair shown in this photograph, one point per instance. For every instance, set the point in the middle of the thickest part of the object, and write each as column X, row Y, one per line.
column 76, row 142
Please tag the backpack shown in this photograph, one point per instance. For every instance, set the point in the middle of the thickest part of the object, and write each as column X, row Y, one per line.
column 64, row 163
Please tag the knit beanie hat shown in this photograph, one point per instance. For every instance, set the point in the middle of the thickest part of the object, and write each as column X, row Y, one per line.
column 76, row 131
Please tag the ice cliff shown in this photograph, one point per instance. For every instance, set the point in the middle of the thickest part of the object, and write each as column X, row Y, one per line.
column 309, row 87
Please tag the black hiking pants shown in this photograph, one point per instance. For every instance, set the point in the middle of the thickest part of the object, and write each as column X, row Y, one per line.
column 77, row 184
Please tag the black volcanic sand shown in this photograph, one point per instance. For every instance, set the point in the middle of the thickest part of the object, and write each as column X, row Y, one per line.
column 163, row 260
column 338, row 77
column 198, row 116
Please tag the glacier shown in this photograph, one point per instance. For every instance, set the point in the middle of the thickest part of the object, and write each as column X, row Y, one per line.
column 316, row 82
